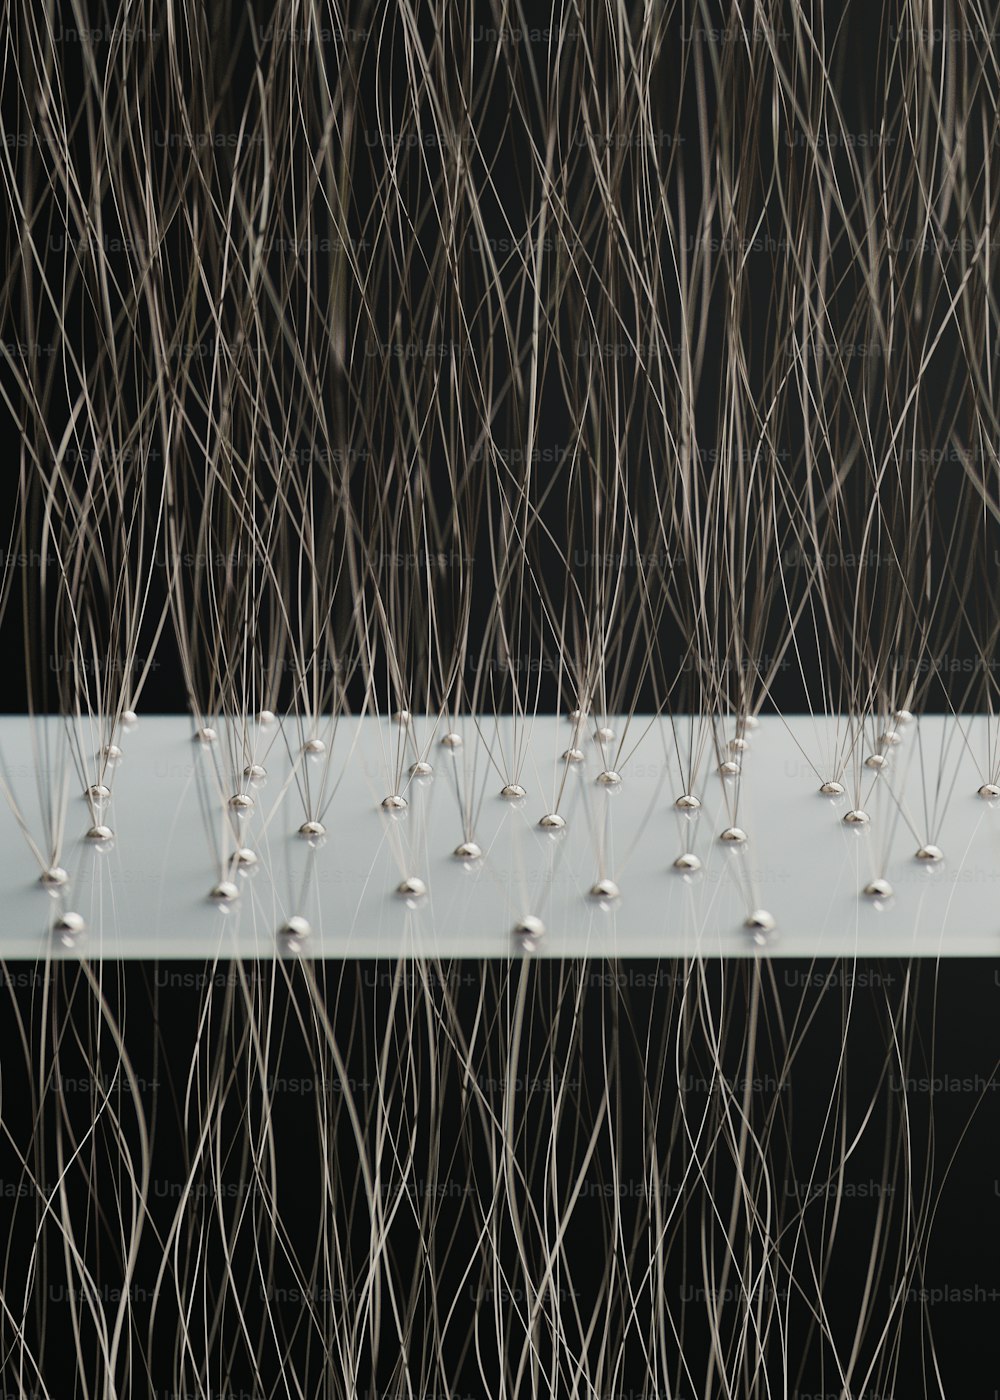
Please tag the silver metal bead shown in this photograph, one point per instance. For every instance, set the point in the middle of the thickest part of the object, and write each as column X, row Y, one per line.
column 930, row 853
column 314, row 747
column 989, row 792
column 604, row 736
column 100, row 833
column 889, row 738
column 573, row 756
column 452, row 741
column 903, row 717
column 265, row 717
column 856, row 817
column 552, row 821
column 878, row 889
column 241, row 802
column 729, row 769
column 53, row 877
column 751, row 722
column 98, row 792
column 760, row 921
column 224, row 892
column 70, row 925
column 206, row 735
column 129, row 719
column 421, row 769
column 575, row 716
column 738, row 745
column 529, row 927
column 112, row 753
column 244, row 858
column 293, row 931
column 312, row 831
column 255, row 772
column 412, row 887
column 394, row 803
column 733, row 835
column 468, row 850
column 687, row 862
column 512, row 791
column 877, row 761
column 832, row 789
column 687, row 803
column 604, row 889
column 402, row 717
column 609, row 778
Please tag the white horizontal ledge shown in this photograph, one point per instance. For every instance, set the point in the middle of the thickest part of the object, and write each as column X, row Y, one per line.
column 145, row 894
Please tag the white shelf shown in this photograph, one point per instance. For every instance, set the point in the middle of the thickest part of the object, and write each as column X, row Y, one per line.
column 146, row 896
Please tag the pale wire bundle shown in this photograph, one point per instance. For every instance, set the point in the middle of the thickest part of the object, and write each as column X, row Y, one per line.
column 435, row 367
